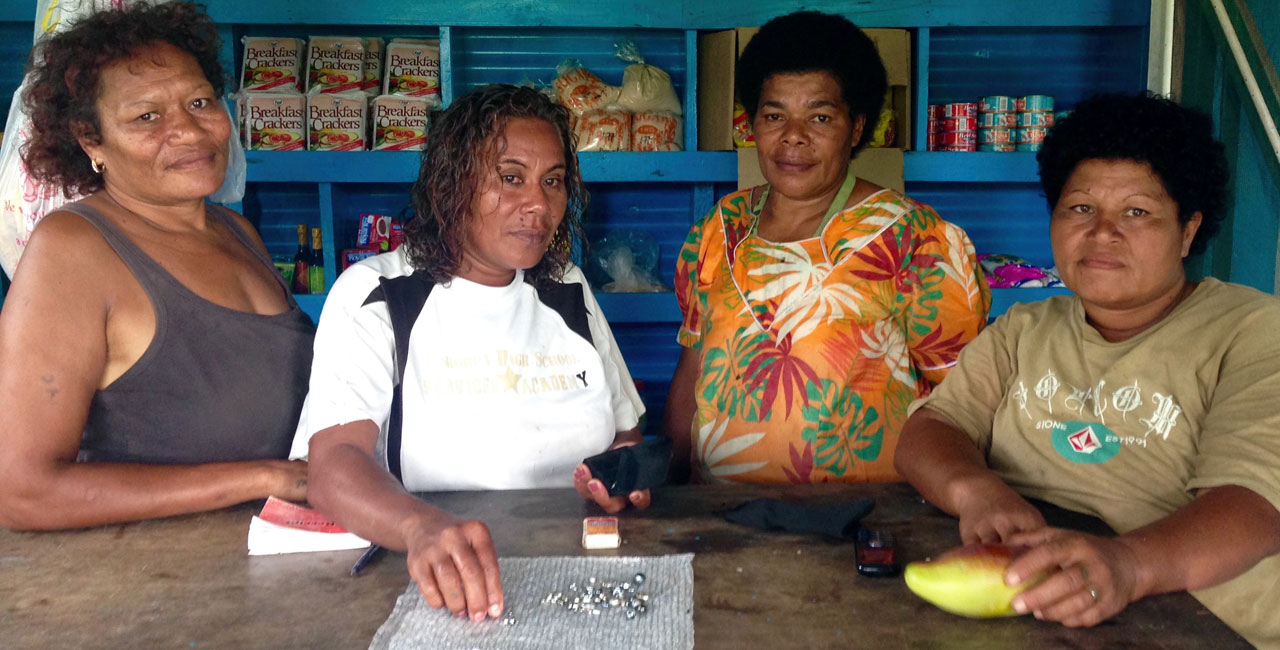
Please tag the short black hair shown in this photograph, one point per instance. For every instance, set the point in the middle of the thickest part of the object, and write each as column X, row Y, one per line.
column 810, row 41
column 1176, row 141
column 65, row 72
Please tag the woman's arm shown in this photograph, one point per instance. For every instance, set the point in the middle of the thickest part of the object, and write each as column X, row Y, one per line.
column 54, row 345
column 948, row 469
column 1219, row 535
column 453, row 560
column 677, row 420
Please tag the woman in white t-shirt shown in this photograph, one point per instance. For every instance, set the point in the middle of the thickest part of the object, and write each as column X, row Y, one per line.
column 499, row 388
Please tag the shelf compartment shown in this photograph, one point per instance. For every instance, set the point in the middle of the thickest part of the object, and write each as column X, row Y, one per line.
column 971, row 167
column 402, row 166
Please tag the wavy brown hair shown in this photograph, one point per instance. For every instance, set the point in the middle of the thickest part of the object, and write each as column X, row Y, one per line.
column 461, row 143
column 66, row 76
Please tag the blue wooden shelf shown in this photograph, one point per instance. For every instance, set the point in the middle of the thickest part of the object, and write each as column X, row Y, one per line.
column 402, row 166
column 972, row 167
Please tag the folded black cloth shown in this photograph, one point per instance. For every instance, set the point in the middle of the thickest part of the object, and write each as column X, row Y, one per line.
column 638, row 467
column 839, row 520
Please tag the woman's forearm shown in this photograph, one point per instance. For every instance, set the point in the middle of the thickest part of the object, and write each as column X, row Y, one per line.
column 941, row 462
column 1222, row 533
column 349, row 486
column 74, row 495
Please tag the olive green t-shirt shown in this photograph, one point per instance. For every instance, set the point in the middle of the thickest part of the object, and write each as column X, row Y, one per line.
column 1128, row 431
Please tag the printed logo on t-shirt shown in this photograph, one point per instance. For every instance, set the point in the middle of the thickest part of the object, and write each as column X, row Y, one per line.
column 1096, row 441
column 1085, row 442
column 503, row 371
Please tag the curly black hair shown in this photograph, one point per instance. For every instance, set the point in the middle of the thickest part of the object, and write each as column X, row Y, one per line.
column 1176, row 141
column 65, row 71
column 810, row 41
column 461, row 142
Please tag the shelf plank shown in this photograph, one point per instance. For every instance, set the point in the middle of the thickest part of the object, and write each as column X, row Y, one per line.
column 402, row 166
column 972, row 167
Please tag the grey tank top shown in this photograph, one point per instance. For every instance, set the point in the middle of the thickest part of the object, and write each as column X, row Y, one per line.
column 214, row 385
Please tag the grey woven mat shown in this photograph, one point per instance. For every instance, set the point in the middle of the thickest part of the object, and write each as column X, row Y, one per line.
column 667, row 625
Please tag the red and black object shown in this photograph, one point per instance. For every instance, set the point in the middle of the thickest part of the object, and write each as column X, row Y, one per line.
column 876, row 553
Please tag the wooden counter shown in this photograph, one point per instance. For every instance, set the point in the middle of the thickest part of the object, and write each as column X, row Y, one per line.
column 186, row 582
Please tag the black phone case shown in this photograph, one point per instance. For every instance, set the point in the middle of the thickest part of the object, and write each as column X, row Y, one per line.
column 638, row 467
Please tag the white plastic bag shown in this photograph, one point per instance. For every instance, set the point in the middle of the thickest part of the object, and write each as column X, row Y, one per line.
column 645, row 88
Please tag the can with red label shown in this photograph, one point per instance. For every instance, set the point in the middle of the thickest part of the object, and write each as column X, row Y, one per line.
column 999, row 135
column 935, row 111
column 935, row 125
column 957, row 147
column 1005, row 119
column 1035, row 118
column 957, row 124
column 947, row 138
column 997, row 104
column 934, row 140
column 1000, row 148
column 960, row 109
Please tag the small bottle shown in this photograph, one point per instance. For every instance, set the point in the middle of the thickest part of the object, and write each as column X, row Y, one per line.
column 315, row 269
column 301, row 262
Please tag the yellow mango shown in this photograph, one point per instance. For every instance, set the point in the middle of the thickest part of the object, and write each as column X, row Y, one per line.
column 968, row 581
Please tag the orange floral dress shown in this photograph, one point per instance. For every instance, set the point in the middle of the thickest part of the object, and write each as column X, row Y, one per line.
column 811, row 350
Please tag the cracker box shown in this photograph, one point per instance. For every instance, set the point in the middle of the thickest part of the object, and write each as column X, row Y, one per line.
column 336, row 122
column 335, row 64
column 413, row 69
column 272, row 64
column 372, row 83
column 399, row 123
column 274, row 122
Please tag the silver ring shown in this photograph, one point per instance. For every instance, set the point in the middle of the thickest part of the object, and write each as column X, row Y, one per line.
column 1093, row 592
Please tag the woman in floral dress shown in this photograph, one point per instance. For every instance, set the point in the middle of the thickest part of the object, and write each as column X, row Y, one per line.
column 818, row 306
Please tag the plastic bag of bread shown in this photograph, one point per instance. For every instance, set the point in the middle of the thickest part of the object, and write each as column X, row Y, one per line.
column 580, row 91
column 655, row 131
column 604, row 130
column 645, row 88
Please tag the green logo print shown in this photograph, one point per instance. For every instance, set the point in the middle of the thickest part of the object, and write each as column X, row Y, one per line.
column 1085, row 442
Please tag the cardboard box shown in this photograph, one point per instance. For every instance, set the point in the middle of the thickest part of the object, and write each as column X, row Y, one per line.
column 880, row 166
column 717, row 60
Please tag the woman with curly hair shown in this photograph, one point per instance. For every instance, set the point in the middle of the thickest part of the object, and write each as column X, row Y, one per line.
column 817, row 306
column 489, row 385
column 154, row 361
column 1145, row 399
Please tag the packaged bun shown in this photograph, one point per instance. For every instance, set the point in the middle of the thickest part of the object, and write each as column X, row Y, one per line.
column 655, row 131
column 580, row 91
column 645, row 87
column 604, row 130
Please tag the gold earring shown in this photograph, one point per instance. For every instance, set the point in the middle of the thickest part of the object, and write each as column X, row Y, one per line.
column 96, row 166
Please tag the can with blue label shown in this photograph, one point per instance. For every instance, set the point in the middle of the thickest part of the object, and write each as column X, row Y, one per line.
column 997, row 104
column 1035, row 118
column 1035, row 103
column 999, row 148
column 1029, row 146
column 997, row 135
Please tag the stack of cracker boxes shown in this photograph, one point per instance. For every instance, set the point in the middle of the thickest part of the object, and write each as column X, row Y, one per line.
column 334, row 93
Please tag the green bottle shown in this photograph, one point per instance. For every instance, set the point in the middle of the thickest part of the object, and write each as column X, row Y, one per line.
column 315, row 267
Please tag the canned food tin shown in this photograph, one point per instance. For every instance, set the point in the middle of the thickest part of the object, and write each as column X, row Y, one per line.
column 957, row 147
column 957, row 124
column 1035, row 118
column 1034, row 146
column 935, row 111
column 1035, row 103
column 935, row 125
column 1030, row 135
column 960, row 109
column 935, row 139
column 998, row 147
column 1005, row 119
column 957, row 137
column 997, row 104
column 995, row 136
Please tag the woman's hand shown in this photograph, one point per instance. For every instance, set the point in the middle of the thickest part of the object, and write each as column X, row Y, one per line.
column 1090, row 579
column 992, row 513
column 456, row 566
column 593, row 489
column 286, row 479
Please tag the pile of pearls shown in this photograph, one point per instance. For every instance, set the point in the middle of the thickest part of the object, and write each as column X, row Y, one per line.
column 596, row 597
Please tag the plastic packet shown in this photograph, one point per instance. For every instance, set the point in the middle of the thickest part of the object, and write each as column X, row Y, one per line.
column 655, row 131
column 628, row 259
column 604, row 130
column 581, row 91
column 645, row 88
